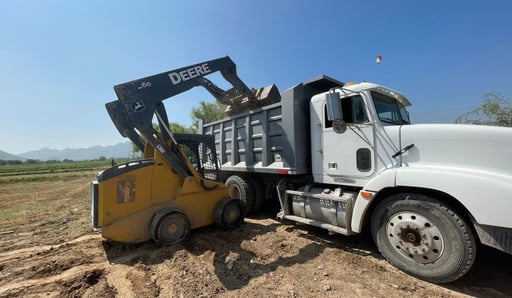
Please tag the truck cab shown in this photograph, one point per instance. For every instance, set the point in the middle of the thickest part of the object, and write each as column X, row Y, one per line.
column 371, row 117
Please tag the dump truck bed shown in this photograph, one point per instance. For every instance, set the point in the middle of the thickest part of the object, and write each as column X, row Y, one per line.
column 273, row 139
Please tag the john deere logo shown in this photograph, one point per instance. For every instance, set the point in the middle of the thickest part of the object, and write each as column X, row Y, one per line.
column 138, row 106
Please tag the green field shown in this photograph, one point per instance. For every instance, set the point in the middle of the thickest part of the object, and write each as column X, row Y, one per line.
column 43, row 171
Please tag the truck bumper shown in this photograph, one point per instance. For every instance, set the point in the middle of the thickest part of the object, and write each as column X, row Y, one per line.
column 497, row 237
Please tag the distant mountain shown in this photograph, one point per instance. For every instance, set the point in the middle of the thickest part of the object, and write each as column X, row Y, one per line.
column 8, row 156
column 121, row 150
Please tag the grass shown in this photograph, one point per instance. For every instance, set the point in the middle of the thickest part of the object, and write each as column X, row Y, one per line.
column 25, row 209
column 50, row 171
column 45, row 168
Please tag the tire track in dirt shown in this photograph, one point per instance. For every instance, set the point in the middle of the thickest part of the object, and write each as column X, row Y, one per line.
column 32, row 270
column 85, row 266
column 22, row 252
column 73, row 273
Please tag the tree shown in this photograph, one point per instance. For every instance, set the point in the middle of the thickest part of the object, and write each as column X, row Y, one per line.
column 180, row 128
column 208, row 112
column 495, row 110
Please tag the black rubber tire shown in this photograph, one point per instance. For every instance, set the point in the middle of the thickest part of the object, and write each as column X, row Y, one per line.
column 239, row 188
column 423, row 237
column 229, row 213
column 170, row 226
column 259, row 193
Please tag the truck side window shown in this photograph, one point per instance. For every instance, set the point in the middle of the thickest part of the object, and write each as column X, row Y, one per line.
column 353, row 111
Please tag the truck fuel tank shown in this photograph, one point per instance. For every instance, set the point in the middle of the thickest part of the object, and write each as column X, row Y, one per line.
column 323, row 205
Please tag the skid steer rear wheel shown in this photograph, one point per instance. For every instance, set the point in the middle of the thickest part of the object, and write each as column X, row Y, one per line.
column 423, row 237
column 169, row 227
column 229, row 213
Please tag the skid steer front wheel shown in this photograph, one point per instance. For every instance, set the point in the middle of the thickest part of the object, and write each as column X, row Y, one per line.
column 229, row 213
column 169, row 227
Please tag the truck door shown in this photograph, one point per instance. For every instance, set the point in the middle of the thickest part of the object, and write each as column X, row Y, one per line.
column 348, row 155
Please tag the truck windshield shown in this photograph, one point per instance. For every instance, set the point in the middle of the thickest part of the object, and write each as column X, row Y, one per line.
column 389, row 109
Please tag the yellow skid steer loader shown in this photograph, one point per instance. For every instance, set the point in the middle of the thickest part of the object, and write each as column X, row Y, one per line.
column 176, row 186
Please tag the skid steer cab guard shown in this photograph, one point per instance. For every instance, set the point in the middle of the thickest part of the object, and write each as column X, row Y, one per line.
column 176, row 186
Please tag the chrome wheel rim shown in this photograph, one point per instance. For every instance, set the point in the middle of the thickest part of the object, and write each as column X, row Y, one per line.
column 415, row 237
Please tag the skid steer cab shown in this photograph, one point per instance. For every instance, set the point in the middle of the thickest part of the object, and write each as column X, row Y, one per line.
column 176, row 186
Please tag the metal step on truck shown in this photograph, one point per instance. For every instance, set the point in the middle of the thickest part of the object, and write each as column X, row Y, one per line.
column 345, row 157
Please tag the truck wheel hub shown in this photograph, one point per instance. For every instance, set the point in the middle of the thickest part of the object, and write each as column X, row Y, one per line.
column 415, row 237
column 411, row 236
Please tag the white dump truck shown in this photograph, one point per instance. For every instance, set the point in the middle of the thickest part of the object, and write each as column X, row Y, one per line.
column 345, row 158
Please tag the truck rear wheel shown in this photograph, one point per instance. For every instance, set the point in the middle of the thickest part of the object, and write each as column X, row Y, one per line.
column 239, row 188
column 423, row 237
column 259, row 193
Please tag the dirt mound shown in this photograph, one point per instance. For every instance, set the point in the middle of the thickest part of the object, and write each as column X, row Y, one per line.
column 44, row 255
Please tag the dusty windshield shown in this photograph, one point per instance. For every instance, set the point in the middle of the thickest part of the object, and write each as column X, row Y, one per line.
column 389, row 109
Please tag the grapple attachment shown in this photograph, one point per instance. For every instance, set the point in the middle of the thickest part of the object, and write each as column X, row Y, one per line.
column 262, row 97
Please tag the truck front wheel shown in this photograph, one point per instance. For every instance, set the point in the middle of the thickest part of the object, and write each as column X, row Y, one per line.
column 423, row 237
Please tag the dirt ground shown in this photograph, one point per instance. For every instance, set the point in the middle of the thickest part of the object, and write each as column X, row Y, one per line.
column 48, row 249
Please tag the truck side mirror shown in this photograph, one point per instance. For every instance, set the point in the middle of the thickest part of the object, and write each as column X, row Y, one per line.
column 334, row 112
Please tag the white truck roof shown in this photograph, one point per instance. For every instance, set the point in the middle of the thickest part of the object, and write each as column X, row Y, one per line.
column 363, row 86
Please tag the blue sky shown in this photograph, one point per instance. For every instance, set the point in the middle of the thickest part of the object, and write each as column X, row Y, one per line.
column 60, row 59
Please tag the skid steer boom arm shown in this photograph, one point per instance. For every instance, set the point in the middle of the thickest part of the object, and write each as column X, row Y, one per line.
column 142, row 99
